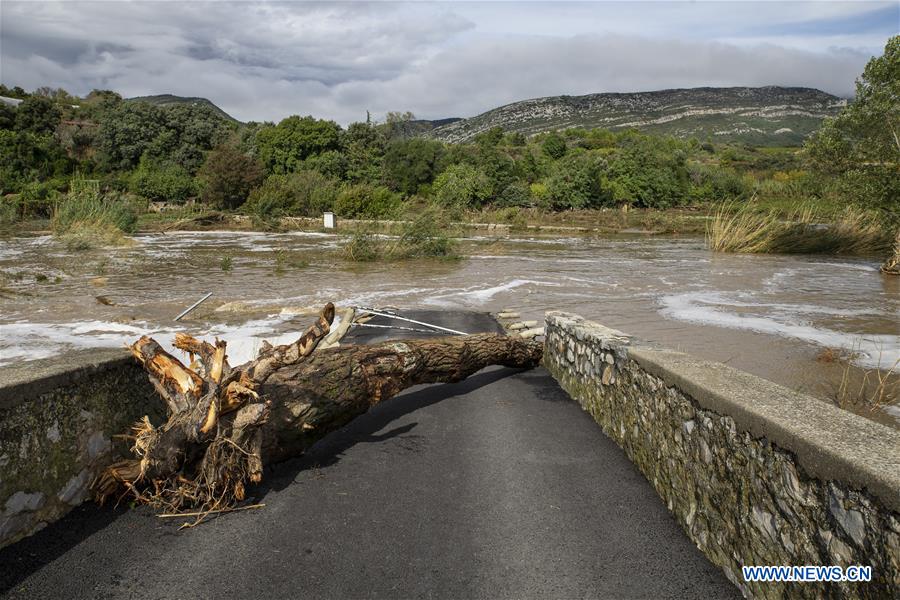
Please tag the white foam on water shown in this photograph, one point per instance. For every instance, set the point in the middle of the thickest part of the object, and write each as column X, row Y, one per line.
column 705, row 308
column 509, row 257
column 480, row 296
column 852, row 266
column 345, row 298
column 310, row 234
column 893, row 410
column 720, row 299
column 43, row 340
column 8, row 251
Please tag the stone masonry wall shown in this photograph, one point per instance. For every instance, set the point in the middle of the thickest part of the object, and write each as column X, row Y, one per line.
column 57, row 419
column 755, row 474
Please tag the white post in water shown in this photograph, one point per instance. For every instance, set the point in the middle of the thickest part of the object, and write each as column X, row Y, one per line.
column 329, row 220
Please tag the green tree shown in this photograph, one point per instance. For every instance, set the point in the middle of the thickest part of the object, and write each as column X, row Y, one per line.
column 127, row 133
column 489, row 138
column 363, row 147
column 284, row 147
column 331, row 164
column 554, row 145
column 191, row 130
column 516, row 193
column 15, row 92
column 411, row 163
column 462, row 185
column 574, row 182
column 646, row 173
column 102, row 99
column 38, row 114
column 179, row 134
column 861, row 146
column 26, row 157
column 228, row 176
column 515, row 138
column 7, row 116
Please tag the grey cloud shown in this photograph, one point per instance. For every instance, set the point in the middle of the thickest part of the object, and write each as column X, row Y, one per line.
column 266, row 61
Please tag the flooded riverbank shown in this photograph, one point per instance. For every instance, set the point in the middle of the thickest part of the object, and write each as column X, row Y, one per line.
column 769, row 315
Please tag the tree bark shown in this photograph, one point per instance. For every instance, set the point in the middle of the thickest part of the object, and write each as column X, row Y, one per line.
column 224, row 423
column 336, row 385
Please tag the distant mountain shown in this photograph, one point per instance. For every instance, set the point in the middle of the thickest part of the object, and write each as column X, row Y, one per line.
column 420, row 127
column 169, row 100
column 762, row 116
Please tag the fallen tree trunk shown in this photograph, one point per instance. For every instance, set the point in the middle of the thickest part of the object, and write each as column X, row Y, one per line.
column 224, row 423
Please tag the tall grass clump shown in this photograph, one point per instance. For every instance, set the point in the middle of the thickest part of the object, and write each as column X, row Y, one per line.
column 424, row 237
column 892, row 265
column 852, row 232
column 9, row 215
column 865, row 388
column 85, row 218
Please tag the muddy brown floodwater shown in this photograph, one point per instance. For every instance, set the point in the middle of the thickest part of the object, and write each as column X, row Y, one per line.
column 770, row 315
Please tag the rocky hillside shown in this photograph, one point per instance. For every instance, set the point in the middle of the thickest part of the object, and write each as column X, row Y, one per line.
column 775, row 116
column 169, row 99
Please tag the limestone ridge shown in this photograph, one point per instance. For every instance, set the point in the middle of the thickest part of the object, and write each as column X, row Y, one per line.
column 762, row 115
column 169, row 100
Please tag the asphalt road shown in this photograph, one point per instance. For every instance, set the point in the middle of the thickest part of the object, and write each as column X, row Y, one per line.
column 497, row 487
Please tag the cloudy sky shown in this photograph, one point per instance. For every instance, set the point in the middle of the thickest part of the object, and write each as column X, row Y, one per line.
column 267, row 60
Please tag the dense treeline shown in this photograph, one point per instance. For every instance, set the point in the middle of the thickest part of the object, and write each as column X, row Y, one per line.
column 303, row 165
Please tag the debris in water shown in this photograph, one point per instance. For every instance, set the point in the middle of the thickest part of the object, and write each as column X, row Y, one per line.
column 193, row 306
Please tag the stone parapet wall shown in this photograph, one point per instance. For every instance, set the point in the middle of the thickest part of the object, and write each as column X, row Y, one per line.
column 755, row 473
column 57, row 422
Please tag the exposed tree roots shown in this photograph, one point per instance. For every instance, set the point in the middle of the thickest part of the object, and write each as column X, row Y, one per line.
column 224, row 421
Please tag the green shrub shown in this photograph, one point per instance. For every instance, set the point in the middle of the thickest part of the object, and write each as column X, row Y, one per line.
column 516, row 193
column 38, row 199
column 540, row 194
column 425, row 237
column 367, row 201
column 9, row 212
column 461, row 185
column 162, row 182
column 305, row 193
column 716, row 184
column 87, row 218
column 554, row 145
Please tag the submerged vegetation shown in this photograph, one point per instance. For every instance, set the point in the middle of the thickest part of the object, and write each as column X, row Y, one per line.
column 855, row 388
column 86, row 218
column 892, row 265
column 424, row 237
column 803, row 231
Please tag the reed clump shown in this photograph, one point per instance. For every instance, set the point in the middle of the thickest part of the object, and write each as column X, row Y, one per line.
column 892, row 265
column 868, row 388
column 801, row 231
column 86, row 218
column 424, row 237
